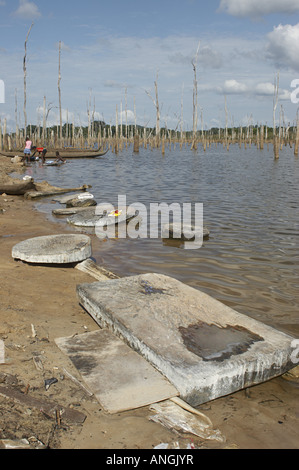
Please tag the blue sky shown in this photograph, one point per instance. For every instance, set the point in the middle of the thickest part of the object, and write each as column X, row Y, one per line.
column 112, row 53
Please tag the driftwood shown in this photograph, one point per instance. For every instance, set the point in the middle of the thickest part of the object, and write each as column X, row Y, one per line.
column 88, row 266
column 17, row 189
column 69, row 153
column 52, row 191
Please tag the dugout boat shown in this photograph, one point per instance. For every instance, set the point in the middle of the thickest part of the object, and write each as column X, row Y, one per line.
column 64, row 153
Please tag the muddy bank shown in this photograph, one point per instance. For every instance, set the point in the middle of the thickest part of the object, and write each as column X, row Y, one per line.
column 39, row 304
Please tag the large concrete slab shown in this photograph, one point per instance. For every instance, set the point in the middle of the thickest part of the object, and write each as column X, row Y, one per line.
column 119, row 377
column 204, row 348
column 54, row 249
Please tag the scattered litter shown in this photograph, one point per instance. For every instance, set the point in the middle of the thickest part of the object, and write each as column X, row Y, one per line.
column 17, row 444
column 49, row 382
column 162, row 446
column 172, row 416
column 34, row 334
column 15, row 347
column 85, row 196
column 175, row 445
column 30, row 443
column 58, row 418
column 191, row 445
column 36, row 443
column 38, row 363
column 115, row 213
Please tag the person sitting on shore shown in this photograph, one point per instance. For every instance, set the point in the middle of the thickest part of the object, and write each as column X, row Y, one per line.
column 27, row 150
column 59, row 158
column 43, row 156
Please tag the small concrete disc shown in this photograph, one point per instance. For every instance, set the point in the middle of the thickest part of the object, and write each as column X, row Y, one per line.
column 54, row 249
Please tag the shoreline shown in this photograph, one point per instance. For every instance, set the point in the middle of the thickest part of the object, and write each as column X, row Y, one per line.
column 265, row 416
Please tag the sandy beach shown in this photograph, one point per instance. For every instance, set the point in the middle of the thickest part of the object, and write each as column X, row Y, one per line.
column 39, row 304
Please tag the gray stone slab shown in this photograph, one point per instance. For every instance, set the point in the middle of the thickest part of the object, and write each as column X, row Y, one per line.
column 70, row 210
column 54, row 249
column 119, row 377
column 204, row 348
column 183, row 231
column 65, row 199
column 96, row 218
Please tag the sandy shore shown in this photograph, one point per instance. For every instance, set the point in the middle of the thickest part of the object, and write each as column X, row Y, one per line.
column 266, row 417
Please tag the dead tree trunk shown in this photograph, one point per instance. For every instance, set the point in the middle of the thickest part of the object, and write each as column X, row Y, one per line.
column 59, row 95
column 17, row 143
column 275, row 102
column 195, row 103
column 297, row 138
column 158, row 114
column 25, row 78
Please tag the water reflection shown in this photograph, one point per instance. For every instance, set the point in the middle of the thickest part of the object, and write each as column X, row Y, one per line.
column 250, row 203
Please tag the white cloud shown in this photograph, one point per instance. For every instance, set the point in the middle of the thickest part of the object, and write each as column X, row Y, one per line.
column 267, row 89
column 264, row 89
column 233, row 87
column 258, row 8
column 109, row 71
column 28, row 10
column 127, row 116
column 283, row 46
column 261, row 89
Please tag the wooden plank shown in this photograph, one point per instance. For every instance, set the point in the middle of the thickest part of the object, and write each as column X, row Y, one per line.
column 119, row 377
column 45, row 406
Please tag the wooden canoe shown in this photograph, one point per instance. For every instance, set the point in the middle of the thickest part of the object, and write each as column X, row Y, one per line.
column 67, row 153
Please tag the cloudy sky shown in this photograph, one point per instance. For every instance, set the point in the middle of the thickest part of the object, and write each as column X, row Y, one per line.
column 112, row 53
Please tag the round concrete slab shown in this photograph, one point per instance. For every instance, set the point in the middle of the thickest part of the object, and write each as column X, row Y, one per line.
column 54, row 249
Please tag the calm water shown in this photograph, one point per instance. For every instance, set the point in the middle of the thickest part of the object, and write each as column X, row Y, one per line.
column 250, row 203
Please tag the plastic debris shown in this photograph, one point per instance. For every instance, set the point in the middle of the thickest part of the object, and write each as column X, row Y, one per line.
column 85, row 196
column 116, row 213
column 17, row 444
column 173, row 417
column 163, row 445
column 49, row 382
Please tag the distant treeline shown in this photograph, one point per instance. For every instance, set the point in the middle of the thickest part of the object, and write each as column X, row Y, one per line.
column 105, row 130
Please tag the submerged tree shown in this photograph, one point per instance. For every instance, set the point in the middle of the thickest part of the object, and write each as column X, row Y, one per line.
column 59, row 93
column 25, row 77
column 275, row 102
column 158, row 114
column 195, row 103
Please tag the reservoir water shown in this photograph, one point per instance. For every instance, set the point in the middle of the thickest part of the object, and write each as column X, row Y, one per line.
column 251, row 260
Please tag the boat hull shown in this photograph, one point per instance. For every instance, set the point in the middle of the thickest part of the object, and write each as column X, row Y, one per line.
column 51, row 154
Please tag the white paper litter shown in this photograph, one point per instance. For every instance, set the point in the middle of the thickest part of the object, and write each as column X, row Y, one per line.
column 86, row 196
